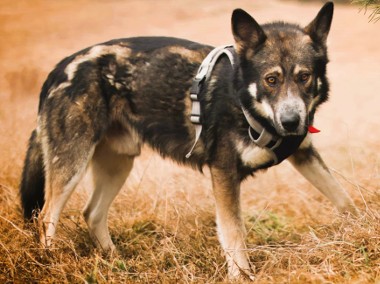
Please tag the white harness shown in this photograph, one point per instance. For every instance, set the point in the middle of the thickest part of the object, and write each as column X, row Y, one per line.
column 204, row 72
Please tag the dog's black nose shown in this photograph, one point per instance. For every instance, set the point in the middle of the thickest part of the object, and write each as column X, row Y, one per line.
column 290, row 121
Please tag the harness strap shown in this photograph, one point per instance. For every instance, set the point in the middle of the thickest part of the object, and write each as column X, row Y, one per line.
column 264, row 139
column 203, row 74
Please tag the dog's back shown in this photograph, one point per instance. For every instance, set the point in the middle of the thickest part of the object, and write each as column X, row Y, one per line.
column 127, row 91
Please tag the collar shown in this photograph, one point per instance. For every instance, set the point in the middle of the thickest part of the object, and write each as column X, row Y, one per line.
column 258, row 134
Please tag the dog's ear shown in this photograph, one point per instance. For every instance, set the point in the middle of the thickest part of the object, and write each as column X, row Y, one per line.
column 246, row 31
column 319, row 28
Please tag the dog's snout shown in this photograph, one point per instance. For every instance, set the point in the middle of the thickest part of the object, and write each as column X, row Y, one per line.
column 290, row 121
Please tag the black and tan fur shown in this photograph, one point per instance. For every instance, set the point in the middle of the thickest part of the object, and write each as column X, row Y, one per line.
column 100, row 105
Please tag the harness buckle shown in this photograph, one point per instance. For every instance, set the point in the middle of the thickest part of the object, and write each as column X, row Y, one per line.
column 195, row 88
column 195, row 116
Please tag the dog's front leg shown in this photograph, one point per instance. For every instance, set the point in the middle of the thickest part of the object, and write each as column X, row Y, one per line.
column 310, row 164
column 230, row 225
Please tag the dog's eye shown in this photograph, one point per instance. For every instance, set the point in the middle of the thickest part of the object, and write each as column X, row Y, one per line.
column 271, row 80
column 304, row 77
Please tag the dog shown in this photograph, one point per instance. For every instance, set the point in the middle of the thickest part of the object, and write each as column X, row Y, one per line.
column 256, row 107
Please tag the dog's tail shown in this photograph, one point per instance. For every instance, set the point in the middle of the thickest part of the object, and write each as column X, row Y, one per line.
column 33, row 179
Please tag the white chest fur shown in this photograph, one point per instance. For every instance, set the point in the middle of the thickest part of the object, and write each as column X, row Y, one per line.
column 254, row 156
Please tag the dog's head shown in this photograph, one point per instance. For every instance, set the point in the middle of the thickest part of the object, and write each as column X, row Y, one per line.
column 283, row 67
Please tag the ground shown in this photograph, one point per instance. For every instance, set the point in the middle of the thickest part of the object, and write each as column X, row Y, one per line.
column 163, row 220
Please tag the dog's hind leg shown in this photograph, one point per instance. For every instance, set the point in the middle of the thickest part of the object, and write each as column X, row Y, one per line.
column 63, row 173
column 230, row 225
column 110, row 170
column 310, row 164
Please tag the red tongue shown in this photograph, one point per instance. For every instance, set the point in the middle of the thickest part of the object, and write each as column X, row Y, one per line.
column 312, row 129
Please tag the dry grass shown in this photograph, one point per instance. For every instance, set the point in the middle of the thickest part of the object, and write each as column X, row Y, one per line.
column 163, row 220
column 371, row 6
column 170, row 238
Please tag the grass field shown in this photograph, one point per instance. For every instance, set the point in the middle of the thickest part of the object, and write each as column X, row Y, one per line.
column 163, row 220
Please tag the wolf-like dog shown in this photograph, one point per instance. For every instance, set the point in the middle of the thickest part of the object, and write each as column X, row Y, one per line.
column 100, row 105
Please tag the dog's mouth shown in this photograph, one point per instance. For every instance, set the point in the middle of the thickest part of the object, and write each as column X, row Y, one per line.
column 290, row 117
column 290, row 128
column 290, row 123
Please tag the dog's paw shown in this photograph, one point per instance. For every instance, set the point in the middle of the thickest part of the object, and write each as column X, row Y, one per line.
column 241, row 276
column 110, row 252
column 350, row 210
